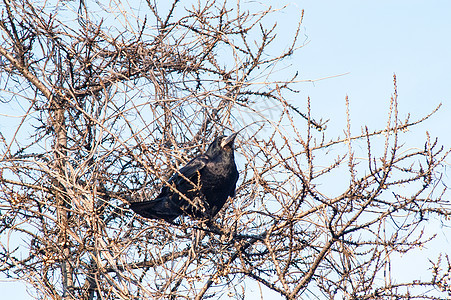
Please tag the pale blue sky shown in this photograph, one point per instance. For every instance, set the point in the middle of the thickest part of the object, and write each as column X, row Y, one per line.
column 370, row 40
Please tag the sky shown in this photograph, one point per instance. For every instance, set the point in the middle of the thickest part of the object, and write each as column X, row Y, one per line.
column 369, row 41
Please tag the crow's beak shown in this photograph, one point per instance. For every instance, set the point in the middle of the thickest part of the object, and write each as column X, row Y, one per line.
column 229, row 140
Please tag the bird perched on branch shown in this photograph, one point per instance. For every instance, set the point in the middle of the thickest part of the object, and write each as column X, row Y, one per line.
column 199, row 189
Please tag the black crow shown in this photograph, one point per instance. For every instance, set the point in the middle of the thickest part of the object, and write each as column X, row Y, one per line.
column 199, row 189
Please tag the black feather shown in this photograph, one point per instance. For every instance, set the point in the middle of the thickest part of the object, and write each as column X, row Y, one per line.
column 205, row 182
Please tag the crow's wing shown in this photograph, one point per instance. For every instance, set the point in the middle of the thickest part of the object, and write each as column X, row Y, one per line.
column 189, row 171
column 168, row 204
column 160, row 208
column 234, row 181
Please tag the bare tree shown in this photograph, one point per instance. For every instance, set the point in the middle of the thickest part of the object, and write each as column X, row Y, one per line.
column 107, row 100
